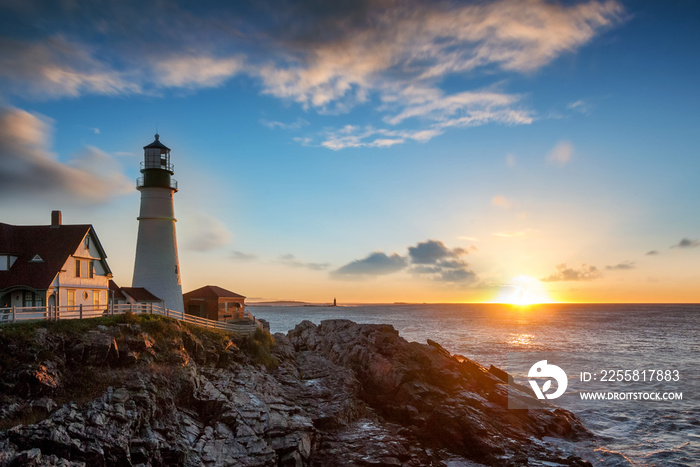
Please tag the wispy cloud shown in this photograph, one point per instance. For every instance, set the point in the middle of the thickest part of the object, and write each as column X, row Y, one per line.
column 584, row 106
column 625, row 265
column 501, row 202
column 652, row 253
column 295, row 125
column 561, row 154
column 242, row 256
column 208, row 233
column 327, row 59
column 513, row 233
column 375, row 264
column 352, row 136
column 687, row 243
column 29, row 168
column 565, row 273
column 196, row 71
column 292, row 261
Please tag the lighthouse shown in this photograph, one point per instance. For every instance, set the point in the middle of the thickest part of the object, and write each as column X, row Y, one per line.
column 157, row 267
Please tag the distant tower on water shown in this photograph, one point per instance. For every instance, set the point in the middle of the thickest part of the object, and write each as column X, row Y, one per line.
column 157, row 267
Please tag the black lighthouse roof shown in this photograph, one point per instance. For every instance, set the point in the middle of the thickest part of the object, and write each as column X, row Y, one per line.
column 157, row 144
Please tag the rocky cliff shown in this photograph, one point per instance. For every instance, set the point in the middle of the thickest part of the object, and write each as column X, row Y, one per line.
column 132, row 390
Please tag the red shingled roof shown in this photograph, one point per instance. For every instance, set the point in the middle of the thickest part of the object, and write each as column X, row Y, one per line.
column 140, row 294
column 116, row 291
column 54, row 245
column 212, row 291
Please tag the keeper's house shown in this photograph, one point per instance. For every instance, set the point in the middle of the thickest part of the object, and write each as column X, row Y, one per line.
column 216, row 303
column 55, row 264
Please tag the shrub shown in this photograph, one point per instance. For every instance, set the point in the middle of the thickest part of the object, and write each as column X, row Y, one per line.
column 258, row 346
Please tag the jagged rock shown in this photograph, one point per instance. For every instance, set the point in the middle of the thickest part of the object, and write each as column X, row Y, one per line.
column 38, row 380
column 340, row 394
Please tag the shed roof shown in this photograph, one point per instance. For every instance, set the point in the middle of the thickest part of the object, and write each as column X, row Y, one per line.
column 116, row 290
column 212, row 291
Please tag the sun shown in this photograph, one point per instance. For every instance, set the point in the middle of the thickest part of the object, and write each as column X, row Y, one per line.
column 523, row 291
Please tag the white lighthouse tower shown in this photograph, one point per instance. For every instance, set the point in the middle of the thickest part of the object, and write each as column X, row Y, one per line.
column 157, row 267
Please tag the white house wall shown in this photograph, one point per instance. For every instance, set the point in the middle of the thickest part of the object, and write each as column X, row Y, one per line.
column 66, row 280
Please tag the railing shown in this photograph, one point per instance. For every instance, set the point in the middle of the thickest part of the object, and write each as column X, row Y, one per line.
column 140, row 183
column 157, row 164
column 52, row 313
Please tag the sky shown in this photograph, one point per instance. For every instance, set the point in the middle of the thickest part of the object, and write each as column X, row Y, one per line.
column 372, row 151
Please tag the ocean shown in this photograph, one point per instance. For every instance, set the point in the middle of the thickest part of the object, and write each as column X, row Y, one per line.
column 629, row 353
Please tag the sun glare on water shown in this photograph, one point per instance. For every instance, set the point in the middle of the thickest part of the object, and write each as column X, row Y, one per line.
column 523, row 291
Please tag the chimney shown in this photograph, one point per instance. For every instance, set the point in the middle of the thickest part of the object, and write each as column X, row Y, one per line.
column 55, row 219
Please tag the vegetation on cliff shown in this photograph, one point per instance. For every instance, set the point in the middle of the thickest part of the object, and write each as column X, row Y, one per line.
column 142, row 389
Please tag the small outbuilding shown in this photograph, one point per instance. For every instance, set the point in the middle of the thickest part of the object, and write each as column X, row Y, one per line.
column 215, row 303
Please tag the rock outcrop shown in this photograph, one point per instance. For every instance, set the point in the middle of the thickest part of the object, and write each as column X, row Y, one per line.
column 150, row 391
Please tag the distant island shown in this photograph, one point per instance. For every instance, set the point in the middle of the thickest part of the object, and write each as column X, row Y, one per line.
column 288, row 303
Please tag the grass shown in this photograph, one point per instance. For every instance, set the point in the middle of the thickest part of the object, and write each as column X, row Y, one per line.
column 258, row 346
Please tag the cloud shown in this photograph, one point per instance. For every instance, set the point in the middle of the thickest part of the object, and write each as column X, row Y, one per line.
column 375, row 264
column 329, row 59
column 58, row 67
column 687, row 243
column 209, row 233
column 561, row 154
column 241, row 256
column 352, row 136
column 430, row 260
column 652, row 253
column 29, row 168
column 433, row 260
column 583, row 106
column 501, row 202
column 519, row 233
column 510, row 160
column 346, row 51
column 564, row 273
column 432, row 251
column 625, row 265
column 196, row 71
column 295, row 125
column 292, row 261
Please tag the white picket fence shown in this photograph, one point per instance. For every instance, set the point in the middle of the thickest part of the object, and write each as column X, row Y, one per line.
column 52, row 313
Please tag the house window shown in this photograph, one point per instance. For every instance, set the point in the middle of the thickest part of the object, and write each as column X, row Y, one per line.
column 32, row 299
column 77, row 268
column 91, row 270
column 96, row 297
column 6, row 262
column 87, row 242
column 71, row 298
